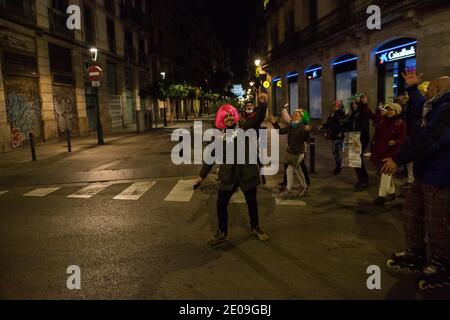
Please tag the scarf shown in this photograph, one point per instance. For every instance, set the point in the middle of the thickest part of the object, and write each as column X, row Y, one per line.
column 429, row 105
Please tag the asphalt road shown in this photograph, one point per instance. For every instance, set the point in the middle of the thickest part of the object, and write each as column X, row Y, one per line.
column 154, row 246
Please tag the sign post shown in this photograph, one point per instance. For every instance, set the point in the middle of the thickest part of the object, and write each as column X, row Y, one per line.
column 94, row 75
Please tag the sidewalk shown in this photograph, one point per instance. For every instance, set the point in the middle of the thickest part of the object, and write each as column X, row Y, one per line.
column 56, row 148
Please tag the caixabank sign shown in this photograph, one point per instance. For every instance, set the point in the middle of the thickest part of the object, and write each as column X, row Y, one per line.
column 405, row 51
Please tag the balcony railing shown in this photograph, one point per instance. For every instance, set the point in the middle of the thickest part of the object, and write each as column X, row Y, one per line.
column 58, row 23
column 19, row 8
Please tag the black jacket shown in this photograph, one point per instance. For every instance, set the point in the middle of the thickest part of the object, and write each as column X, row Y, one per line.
column 296, row 138
column 430, row 150
column 359, row 121
column 246, row 176
column 335, row 125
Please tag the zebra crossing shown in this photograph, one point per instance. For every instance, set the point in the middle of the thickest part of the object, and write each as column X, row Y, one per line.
column 181, row 192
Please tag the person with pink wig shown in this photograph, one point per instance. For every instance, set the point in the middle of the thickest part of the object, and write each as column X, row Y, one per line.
column 233, row 176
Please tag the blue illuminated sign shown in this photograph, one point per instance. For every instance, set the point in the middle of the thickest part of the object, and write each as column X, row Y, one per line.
column 405, row 51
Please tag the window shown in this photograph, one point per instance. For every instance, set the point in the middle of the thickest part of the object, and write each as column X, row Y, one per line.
column 290, row 24
column 129, row 47
column 274, row 35
column 111, row 75
column 57, row 17
column 142, row 54
column 89, row 25
column 109, row 7
column 22, row 8
column 111, row 30
column 61, row 65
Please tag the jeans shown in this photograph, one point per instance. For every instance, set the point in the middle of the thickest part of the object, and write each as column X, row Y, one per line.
column 337, row 147
column 222, row 208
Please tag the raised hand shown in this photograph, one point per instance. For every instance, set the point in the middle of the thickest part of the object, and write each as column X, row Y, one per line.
column 411, row 77
column 263, row 98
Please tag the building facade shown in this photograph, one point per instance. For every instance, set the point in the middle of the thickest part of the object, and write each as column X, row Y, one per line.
column 319, row 51
column 44, row 88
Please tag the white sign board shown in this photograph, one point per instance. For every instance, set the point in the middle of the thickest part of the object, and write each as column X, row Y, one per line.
column 352, row 150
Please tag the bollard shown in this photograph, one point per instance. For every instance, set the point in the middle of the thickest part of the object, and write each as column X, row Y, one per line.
column 69, row 142
column 33, row 148
column 312, row 156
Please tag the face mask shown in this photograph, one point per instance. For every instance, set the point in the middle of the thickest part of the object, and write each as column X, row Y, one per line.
column 249, row 111
column 295, row 124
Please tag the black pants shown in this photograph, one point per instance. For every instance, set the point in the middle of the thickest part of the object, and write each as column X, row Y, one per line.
column 361, row 173
column 222, row 208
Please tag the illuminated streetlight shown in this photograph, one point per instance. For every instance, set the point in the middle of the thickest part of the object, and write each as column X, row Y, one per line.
column 257, row 62
column 94, row 54
column 252, row 84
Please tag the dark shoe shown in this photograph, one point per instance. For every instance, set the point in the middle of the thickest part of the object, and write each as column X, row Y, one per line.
column 361, row 187
column 218, row 238
column 261, row 235
column 406, row 186
column 337, row 171
column 380, row 201
column 391, row 197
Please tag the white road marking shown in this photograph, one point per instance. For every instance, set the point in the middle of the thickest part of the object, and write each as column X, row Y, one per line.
column 90, row 191
column 3, row 192
column 182, row 192
column 41, row 192
column 106, row 165
column 238, row 198
column 283, row 202
column 135, row 191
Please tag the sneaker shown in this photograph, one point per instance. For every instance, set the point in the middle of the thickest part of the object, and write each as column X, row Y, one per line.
column 391, row 197
column 218, row 238
column 303, row 192
column 261, row 235
column 379, row 201
column 361, row 187
column 286, row 194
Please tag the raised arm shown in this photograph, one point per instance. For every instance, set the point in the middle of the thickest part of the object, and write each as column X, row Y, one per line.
column 261, row 111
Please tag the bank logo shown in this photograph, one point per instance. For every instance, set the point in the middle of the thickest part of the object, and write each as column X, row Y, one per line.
column 384, row 58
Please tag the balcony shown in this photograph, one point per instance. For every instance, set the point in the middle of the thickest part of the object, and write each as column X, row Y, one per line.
column 22, row 9
column 58, row 21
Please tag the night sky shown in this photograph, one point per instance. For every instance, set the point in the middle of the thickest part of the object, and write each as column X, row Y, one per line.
column 231, row 20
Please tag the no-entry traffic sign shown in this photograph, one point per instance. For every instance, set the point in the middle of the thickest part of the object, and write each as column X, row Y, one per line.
column 95, row 73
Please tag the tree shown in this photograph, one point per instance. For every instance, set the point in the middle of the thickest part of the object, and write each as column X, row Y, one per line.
column 158, row 91
column 177, row 92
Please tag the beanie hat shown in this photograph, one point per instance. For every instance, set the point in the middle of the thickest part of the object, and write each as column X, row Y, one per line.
column 395, row 107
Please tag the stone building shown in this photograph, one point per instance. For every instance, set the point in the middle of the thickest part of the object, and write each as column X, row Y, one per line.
column 317, row 51
column 44, row 88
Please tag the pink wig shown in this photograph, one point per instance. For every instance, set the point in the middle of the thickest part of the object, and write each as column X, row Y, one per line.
column 222, row 114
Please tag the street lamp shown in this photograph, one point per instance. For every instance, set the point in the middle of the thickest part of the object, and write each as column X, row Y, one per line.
column 252, row 84
column 94, row 54
column 94, row 57
column 257, row 62
column 163, row 75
